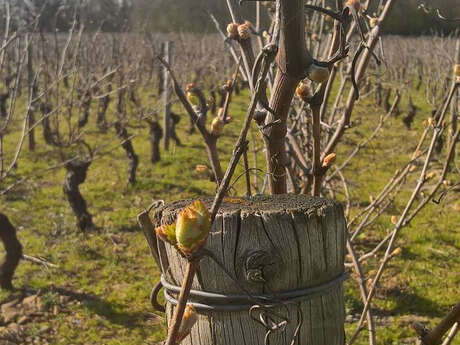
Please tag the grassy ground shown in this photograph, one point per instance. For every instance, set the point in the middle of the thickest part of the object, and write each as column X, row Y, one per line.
column 99, row 293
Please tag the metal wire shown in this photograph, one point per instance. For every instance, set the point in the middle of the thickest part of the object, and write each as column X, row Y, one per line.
column 211, row 301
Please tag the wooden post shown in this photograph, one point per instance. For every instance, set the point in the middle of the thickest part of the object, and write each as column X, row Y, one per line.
column 31, row 92
column 271, row 245
column 455, row 100
column 167, row 93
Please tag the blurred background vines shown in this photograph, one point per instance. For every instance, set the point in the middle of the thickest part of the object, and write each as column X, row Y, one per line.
column 83, row 95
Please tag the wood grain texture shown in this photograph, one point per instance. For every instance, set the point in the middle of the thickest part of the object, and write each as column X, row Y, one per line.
column 303, row 242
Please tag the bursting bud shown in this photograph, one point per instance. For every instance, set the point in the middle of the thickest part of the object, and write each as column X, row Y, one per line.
column 373, row 22
column 232, row 31
column 167, row 232
column 431, row 121
column 243, row 31
column 188, row 321
column 395, row 252
column 356, row 4
column 192, row 227
column 317, row 73
column 315, row 37
column 329, row 159
column 394, row 219
column 190, row 87
column 229, row 83
column 217, row 125
column 303, row 92
column 457, row 70
column 193, row 99
column 430, row 175
column 266, row 35
column 201, row 169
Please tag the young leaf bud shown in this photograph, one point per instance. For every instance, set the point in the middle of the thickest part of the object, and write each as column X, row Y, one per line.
column 430, row 175
column 192, row 227
column 217, row 126
column 395, row 252
column 303, row 92
column 188, row 321
column 356, row 4
column 373, row 22
column 232, row 30
column 266, row 35
column 190, row 87
column 167, row 232
column 457, row 70
column 201, row 169
column 243, row 31
column 329, row 159
column 193, row 99
column 317, row 73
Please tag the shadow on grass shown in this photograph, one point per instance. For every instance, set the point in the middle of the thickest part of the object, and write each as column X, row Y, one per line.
column 108, row 310
column 411, row 303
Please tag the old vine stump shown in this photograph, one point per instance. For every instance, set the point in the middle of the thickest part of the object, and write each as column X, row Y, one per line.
column 271, row 245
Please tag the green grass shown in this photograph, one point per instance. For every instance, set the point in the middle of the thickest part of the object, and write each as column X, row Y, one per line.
column 109, row 271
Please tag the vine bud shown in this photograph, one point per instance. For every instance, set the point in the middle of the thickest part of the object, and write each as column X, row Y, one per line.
column 412, row 168
column 303, row 92
column 373, row 22
column 243, row 31
column 217, row 125
column 229, row 83
column 167, row 232
column 395, row 252
column 329, row 159
column 457, row 70
column 394, row 219
column 192, row 227
column 356, row 4
column 431, row 121
column 190, row 87
column 266, row 35
column 430, row 175
column 315, row 37
column 188, row 321
column 317, row 73
column 193, row 99
column 201, row 169
column 232, row 30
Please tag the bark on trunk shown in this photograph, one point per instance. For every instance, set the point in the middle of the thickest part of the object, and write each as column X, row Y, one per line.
column 127, row 145
column 13, row 250
column 292, row 61
column 76, row 175
column 156, row 133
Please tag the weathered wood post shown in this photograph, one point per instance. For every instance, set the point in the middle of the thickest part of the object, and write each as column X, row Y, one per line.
column 167, row 55
column 287, row 248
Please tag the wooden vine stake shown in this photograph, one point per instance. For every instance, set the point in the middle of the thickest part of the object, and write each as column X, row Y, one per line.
column 280, row 246
column 168, row 56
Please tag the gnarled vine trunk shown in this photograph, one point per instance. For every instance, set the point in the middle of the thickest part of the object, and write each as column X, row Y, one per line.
column 127, row 145
column 13, row 250
column 76, row 175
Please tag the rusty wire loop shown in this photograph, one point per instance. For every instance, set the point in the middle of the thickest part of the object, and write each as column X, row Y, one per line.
column 268, row 319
